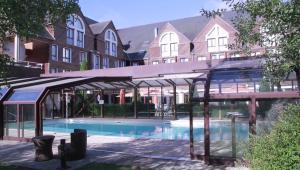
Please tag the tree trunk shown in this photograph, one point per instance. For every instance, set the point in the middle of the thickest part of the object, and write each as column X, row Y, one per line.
column 279, row 87
column 297, row 71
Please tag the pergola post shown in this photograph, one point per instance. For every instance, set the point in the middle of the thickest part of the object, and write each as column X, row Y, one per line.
column 206, row 119
column 174, row 102
column 135, row 102
column 162, row 102
column 191, row 90
column 102, row 105
column 252, row 118
column 148, row 102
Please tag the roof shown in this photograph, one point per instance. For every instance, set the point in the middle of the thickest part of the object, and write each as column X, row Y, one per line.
column 89, row 20
column 99, row 27
column 140, row 37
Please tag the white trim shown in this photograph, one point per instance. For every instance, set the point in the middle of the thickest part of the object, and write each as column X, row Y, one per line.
column 56, row 52
column 168, row 44
column 111, row 42
column 76, row 30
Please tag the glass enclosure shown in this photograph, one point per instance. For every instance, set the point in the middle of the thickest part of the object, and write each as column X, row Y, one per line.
column 19, row 120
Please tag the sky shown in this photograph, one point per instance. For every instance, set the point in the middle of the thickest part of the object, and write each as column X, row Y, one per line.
column 128, row 13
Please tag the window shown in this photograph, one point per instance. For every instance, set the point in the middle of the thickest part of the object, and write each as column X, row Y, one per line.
column 169, row 44
column 116, row 63
column 217, row 39
column 135, row 64
column 184, row 60
column 96, row 61
column 75, row 31
column 201, row 58
column 222, row 41
column 169, row 60
column 211, row 42
column 155, row 62
column 70, row 36
column 66, row 70
column 67, row 55
column 83, row 57
column 217, row 56
column 122, row 63
column 110, row 43
column 54, row 52
column 105, row 62
column 53, row 70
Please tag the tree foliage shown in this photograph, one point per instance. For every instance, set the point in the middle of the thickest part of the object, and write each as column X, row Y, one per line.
column 27, row 18
column 273, row 24
column 281, row 148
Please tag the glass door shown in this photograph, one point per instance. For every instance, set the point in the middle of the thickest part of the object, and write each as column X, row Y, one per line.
column 11, row 121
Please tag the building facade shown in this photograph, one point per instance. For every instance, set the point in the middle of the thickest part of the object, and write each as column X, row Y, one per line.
column 82, row 43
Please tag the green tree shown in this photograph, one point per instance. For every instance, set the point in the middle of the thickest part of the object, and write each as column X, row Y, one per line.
column 274, row 24
column 27, row 18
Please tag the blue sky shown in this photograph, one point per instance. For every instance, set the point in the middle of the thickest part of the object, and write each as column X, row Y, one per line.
column 127, row 13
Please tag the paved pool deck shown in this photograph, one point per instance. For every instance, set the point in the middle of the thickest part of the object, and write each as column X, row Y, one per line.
column 143, row 153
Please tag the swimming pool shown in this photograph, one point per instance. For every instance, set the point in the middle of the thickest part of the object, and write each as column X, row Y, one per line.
column 219, row 130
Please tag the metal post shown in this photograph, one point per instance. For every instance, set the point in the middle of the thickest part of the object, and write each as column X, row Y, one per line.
column 148, row 102
column 206, row 120
column 252, row 118
column 135, row 102
column 102, row 105
column 174, row 102
column 63, row 162
column 162, row 102
column 233, row 132
column 191, row 90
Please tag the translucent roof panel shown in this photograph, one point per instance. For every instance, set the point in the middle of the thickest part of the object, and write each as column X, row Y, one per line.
column 3, row 92
column 25, row 95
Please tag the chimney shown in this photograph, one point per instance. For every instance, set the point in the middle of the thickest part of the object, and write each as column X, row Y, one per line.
column 155, row 32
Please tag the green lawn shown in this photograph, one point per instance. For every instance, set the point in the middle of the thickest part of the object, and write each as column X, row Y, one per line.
column 99, row 166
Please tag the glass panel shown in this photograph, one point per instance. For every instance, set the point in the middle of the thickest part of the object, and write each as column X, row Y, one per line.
column 229, row 128
column 3, row 92
column 24, row 95
column 10, row 121
column 27, row 121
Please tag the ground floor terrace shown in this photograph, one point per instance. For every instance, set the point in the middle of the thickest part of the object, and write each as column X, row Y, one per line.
column 201, row 110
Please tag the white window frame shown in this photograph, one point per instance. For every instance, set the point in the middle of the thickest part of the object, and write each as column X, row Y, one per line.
column 155, row 62
column 83, row 56
column 96, row 61
column 213, row 38
column 201, row 58
column 54, row 57
column 67, row 59
column 76, row 30
column 111, row 40
column 105, row 62
column 53, row 70
column 169, row 44
column 184, row 60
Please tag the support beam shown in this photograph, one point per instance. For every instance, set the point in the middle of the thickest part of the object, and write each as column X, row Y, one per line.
column 148, row 102
column 162, row 102
column 206, row 120
column 102, row 105
column 174, row 103
column 191, row 91
column 252, row 118
column 135, row 102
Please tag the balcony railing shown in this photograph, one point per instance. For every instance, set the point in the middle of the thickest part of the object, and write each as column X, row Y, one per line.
column 28, row 64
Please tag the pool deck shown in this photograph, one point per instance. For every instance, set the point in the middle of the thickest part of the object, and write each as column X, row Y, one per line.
column 143, row 153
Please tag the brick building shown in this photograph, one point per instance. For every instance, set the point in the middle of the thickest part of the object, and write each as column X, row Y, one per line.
column 69, row 45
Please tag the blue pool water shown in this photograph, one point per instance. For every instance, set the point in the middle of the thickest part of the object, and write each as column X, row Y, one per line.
column 218, row 130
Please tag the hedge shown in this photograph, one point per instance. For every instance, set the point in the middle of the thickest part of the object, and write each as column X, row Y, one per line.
column 281, row 148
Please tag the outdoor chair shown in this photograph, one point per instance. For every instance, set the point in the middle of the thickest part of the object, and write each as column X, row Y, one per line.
column 43, row 147
column 77, row 148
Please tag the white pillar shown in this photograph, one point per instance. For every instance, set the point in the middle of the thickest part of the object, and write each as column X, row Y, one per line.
column 181, row 98
column 17, row 48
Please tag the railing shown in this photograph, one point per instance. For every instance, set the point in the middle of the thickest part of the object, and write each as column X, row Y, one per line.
column 28, row 64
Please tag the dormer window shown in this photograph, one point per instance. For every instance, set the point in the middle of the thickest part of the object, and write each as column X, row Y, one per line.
column 169, row 44
column 217, row 39
column 110, row 43
column 75, row 31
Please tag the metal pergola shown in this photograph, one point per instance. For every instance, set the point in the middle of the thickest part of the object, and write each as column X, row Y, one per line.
column 198, row 76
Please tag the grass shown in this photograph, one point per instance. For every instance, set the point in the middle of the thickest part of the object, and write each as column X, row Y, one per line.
column 98, row 166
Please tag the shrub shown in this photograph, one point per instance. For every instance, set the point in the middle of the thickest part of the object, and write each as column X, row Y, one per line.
column 281, row 148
